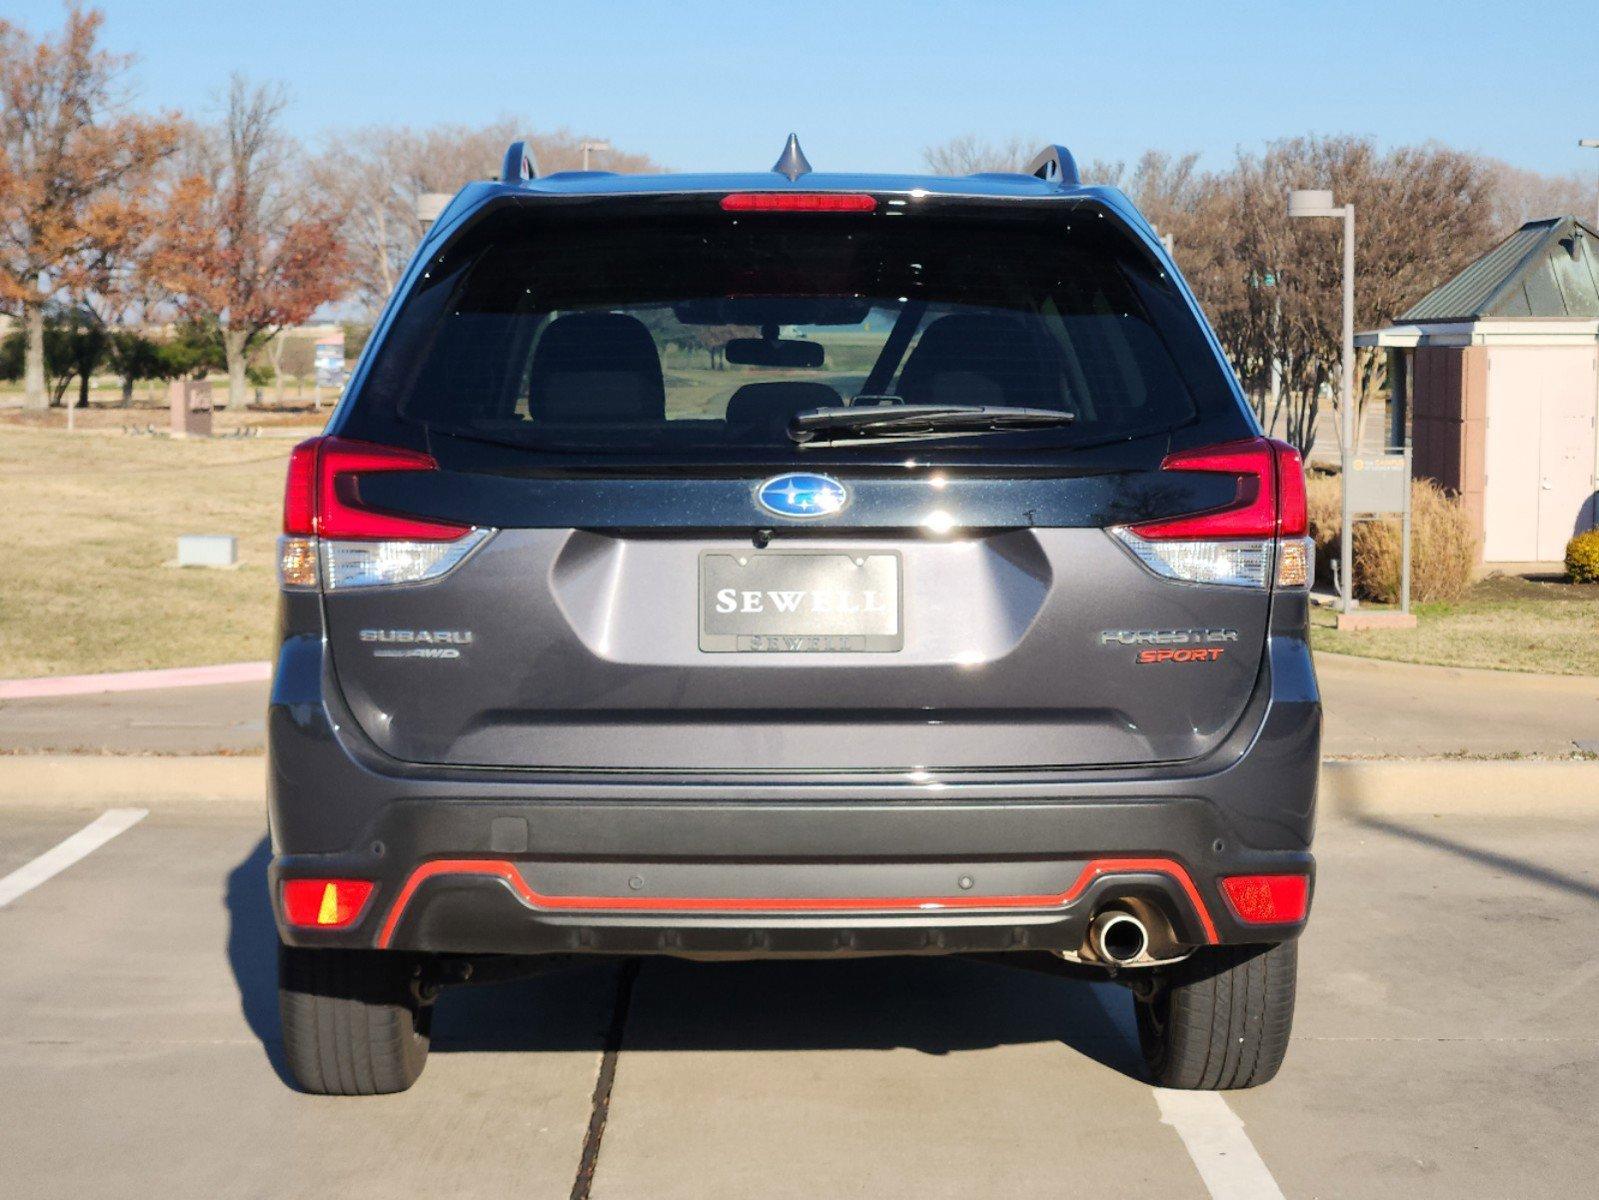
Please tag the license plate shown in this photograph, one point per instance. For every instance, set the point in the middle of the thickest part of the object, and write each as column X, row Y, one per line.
column 800, row 601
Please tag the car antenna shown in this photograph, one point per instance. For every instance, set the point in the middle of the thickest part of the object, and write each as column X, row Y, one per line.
column 792, row 162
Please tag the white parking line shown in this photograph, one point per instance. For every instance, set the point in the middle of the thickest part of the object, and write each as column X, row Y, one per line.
column 81, row 844
column 1227, row 1160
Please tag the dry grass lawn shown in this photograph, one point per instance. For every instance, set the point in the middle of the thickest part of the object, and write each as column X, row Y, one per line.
column 1503, row 622
column 91, row 519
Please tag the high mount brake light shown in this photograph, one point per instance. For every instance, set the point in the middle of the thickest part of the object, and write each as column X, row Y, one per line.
column 816, row 202
column 1237, row 543
column 330, row 535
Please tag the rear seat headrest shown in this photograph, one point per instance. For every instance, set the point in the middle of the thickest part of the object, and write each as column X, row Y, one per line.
column 596, row 367
column 756, row 403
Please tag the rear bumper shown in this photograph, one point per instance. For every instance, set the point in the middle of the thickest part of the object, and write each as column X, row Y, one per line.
column 523, row 862
column 531, row 877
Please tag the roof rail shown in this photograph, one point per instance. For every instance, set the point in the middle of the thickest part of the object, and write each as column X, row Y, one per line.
column 1055, row 164
column 519, row 165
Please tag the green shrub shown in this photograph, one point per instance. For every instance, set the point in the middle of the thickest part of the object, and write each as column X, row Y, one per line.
column 1582, row 557
column 1443, row 549
column 1323, row 505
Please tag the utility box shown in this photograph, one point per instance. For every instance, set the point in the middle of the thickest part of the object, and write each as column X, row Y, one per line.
column 1496, row 376
column 190, row 402
column 220, row 550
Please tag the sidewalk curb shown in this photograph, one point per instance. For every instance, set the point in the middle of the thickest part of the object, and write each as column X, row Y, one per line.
column 1349, row 788
column 96, row 779
column 45, row 686
column 1415, row 787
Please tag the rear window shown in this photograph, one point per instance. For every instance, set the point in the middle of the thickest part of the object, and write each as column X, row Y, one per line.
column 696, row 337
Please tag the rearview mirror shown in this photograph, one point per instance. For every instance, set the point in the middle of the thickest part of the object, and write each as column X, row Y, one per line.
column 778, row 352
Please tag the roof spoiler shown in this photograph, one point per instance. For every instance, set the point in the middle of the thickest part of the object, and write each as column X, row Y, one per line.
column 519, row 165
column 1055, row 164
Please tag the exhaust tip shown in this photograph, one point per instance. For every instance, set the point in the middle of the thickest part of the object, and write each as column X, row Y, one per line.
column 1118, row 937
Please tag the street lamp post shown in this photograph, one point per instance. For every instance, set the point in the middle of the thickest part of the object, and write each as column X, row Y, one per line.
column 594, row 147
column 1592, row 144
column 430, row 206
column 1319, row 203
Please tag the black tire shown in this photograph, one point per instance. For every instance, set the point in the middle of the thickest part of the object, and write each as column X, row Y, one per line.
column 352, row 1023
column 1220, row 1020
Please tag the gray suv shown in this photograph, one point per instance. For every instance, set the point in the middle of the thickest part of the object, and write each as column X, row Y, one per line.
column 791, row 564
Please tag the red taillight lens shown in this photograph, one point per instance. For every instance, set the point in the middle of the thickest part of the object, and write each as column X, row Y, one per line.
column 321, row 495
column 1292, row 510
column 1268, row 899
column 339, row 512
column 299, row 493
column 1253, row 510
column 324, row 903
column 815, row 202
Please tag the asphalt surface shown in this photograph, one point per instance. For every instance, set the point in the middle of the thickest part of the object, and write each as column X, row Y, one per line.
column 225, row 718
column 1374, row 709
column 1445, row 1047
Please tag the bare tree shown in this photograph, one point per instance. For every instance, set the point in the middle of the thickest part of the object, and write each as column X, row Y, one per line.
column 1521, row 196
column 562, row 150
column 1423, row 212
column 970, row 154
column 378, row 173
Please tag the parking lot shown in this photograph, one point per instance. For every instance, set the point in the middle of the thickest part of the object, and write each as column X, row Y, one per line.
column 1445, row 1046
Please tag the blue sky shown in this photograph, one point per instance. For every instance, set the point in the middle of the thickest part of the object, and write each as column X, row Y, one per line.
column 868, row 84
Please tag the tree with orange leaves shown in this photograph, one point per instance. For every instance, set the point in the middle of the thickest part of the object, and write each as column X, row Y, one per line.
column 76, row 171
column 244, row 243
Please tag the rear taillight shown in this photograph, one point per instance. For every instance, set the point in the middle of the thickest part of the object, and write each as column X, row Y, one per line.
column 329, row 533
column 1241, row 543
column 1268, row 899
column 299, row 493
column 324, row 903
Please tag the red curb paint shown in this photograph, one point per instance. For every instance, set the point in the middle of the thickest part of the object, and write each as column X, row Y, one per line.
column 134, row 681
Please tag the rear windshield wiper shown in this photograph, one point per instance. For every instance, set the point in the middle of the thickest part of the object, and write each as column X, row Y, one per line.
column 885, row 421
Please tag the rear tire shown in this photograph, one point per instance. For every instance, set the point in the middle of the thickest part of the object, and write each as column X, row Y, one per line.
column 352, row 1022
column 1221, row 1019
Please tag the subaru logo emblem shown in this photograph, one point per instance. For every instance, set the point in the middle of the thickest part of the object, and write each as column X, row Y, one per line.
column 800, row 494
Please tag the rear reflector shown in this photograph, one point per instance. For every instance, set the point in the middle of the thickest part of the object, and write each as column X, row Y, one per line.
column 798, row 202
column 324, row 903
column 1268, row 899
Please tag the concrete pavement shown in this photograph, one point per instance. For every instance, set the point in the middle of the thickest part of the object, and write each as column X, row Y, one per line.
column 214, row 719
column 1444, row 1048
column 1374, row 708
column 1407, row 710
